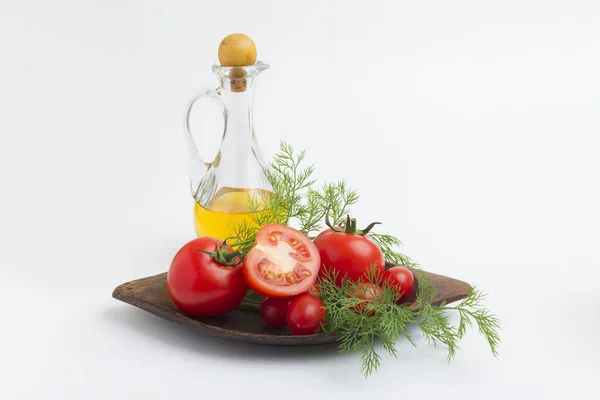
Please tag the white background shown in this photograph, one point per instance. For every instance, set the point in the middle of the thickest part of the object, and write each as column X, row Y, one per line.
column 470, row 128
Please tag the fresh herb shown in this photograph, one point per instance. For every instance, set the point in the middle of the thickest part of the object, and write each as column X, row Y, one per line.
column 333, row 200
column 293, row 200
column 388, row 244
column 383, row 320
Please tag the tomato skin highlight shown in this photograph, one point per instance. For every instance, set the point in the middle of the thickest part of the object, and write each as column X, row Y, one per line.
column 305, row 314
column 368, row 292
column 200, row 286
column 349, row 255
column 282, row 263
column 273, row 310
column 401, row 279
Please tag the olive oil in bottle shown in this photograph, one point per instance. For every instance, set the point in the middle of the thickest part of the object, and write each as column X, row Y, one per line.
column 228, row 207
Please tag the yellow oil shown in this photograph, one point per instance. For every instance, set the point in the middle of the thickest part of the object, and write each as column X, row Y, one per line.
column 227, row 208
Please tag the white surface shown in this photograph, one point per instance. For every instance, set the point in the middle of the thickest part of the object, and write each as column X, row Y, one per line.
column 474, row 128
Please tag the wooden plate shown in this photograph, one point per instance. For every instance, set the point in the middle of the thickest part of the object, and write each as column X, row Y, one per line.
column 150, row 294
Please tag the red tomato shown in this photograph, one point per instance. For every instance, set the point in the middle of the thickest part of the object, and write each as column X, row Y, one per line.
column 272, row 311
column 201, row 287
column 305, row 314
column 348, row 254
column 282, row 263
column 368, row 292
column 402, row 279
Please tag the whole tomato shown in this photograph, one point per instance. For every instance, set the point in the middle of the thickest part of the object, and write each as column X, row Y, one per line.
column 272, row 311
column 348, row 252
column 200, row 285
column 305, row 314
column 368, row 293
column 402, row 280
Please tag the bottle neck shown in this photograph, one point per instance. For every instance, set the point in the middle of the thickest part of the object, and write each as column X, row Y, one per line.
column 239, row 106
column 238, row 148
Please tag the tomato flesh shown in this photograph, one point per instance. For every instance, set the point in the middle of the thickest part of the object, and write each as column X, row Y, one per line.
column 282, row 263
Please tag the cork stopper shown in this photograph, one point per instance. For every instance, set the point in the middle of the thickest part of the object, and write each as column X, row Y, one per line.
column 237, row 76
column 237, row 50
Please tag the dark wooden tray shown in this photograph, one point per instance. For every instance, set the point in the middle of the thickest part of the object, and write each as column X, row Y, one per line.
column 150, row 294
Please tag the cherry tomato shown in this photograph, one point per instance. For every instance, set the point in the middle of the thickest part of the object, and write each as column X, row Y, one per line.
column 368, row 292
column 402, row 279
column 200, row 286
column 272, row 311
column 282, row 263
column 305, row 314
column 348, row 254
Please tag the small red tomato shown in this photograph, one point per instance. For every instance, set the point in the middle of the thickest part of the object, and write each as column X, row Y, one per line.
column 402, row 279
column 199, row 285
column 272, row 311
column 368, row 292
column 305, row 314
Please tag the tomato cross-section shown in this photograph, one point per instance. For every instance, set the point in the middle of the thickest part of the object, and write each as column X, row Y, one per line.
column 283, row 262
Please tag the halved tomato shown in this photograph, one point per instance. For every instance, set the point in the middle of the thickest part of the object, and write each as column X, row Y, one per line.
column 282, row 263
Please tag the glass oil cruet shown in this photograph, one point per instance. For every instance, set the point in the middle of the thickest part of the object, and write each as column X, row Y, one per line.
column 221, row 188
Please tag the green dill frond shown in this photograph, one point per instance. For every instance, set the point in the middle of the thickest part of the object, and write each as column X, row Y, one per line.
column 426, row 290
column 337, row 198
column 289, row 181
column 388, row 245
column 370, row 360
column 333, row 199
column 470, row 309
column 364, row 322
column 436, row 328
column 294, row 199
column 313, row 213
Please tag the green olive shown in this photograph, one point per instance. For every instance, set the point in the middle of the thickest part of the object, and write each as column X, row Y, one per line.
column 237, row 50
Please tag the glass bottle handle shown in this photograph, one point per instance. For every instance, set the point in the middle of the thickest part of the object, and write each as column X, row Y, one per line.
column 197, row 165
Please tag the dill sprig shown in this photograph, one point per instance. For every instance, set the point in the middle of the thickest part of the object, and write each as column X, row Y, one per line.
column 382, row 320
column 388, row 245
column 293, row 199
column 332, row 199
column 470, row 309
column 289, row 181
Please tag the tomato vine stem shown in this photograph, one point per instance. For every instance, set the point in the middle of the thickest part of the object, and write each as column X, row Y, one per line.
column 350, row 226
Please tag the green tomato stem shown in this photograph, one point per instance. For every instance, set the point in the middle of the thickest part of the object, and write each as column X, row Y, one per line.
column 249, row 305
column 350, row 226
